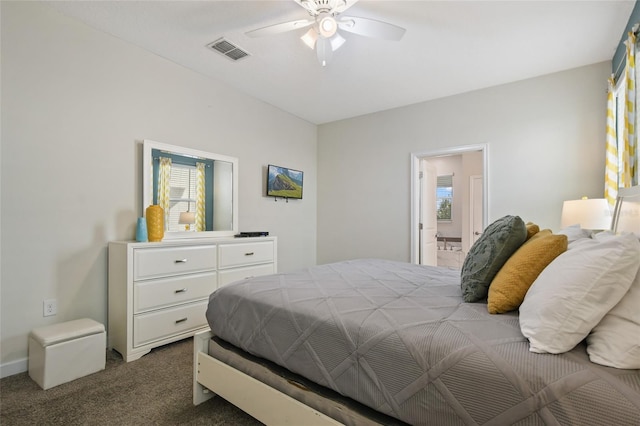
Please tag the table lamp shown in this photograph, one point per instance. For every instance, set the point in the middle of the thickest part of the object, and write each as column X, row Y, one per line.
column 589, row 213
column 187, row 219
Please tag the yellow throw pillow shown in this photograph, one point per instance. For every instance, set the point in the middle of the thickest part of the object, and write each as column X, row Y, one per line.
column 510, row 285
column 532, row 229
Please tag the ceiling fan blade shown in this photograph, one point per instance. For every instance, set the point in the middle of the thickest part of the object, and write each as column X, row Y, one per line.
column 370, row 28
column 280, row 28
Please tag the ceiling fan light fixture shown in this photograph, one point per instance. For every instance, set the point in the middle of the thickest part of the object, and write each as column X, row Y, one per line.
column 325, row 21
column 327, row 26
column 310, row 37
column 310, row 5
column 324, row 51
column 336, row 41
column 319, row 6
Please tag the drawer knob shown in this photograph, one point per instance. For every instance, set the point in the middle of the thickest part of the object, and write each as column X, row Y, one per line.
column 181, row 260
column 249, row 254
column 181, row 290
column 180, row 320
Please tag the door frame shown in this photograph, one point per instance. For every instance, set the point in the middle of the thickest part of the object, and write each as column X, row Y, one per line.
column 415, row 188
column 472, row 188
column 426, row 168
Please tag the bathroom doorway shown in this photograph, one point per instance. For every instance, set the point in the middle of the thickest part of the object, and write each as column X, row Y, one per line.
column 445, row 224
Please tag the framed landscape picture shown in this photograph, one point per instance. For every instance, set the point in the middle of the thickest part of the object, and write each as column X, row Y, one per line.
column 284, row 182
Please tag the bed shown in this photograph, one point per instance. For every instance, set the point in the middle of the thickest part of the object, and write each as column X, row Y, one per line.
column 373, row 341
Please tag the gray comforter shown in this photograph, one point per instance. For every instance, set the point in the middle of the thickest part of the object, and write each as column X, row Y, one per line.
column 398, row 338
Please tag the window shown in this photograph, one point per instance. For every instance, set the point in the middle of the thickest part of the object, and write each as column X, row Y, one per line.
column 628, row 154
column 182, row 196
column 619, row 96
column 620, row 100
column 444, row 197
column 183, row 188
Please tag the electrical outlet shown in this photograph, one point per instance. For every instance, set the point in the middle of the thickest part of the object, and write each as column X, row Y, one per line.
column 49, row 307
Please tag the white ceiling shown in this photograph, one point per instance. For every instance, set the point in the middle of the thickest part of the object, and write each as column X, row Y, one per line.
column 450, row 47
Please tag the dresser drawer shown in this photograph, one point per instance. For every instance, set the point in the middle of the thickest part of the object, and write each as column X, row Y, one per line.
column 245, row 253
column 228, row 276
column 151, row 294
column 158, row 262
column 158, row 325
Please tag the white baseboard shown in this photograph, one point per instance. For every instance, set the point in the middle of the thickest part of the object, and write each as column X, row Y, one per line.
column 14, row 367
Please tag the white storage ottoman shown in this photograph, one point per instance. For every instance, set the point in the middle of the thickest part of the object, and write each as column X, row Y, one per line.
column 60, row 353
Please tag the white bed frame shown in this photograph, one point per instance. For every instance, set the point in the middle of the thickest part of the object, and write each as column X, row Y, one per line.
column 255, row 398
column 272, row 407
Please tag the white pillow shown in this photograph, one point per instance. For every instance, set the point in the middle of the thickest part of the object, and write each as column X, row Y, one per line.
column 615, row 341
column 574, row 233
column 576, row 290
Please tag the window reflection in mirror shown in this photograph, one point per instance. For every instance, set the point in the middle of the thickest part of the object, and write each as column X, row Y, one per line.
column 197, row 189
column 188, row 177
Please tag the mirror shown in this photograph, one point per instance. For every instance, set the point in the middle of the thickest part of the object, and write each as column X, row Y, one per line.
column 199, row 188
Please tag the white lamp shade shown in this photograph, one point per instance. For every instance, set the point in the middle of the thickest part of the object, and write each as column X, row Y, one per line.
column 324, row 51
column 336, row 41
column 327, row 26
column 310, row 37
column 589, row 213
column 187, row 218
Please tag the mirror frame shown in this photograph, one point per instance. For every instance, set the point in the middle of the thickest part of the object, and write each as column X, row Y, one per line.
column 147, row 185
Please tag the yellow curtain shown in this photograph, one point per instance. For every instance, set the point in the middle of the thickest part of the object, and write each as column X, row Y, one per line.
column 164, row 187
column 200, row 196
column 628, row 175
column 611, row 155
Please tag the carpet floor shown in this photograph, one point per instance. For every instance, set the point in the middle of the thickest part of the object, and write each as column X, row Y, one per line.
column 154, row 390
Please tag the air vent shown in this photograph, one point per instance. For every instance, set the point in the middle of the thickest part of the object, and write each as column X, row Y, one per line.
column 227, row 49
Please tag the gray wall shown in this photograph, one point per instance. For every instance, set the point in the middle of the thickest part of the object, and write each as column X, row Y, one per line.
column 76, row 104
column 545, row 140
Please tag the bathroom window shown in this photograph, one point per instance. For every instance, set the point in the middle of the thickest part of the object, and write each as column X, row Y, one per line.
column 444, row 197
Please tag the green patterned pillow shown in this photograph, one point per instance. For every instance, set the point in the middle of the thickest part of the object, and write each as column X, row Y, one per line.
column 488, row 254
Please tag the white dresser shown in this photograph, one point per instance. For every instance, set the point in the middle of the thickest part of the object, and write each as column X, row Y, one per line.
column 158, row 292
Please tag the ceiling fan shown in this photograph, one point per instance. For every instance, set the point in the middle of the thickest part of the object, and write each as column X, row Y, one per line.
column 325, row 21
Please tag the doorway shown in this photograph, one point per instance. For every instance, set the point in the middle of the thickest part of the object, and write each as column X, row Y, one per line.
column 457, row 230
